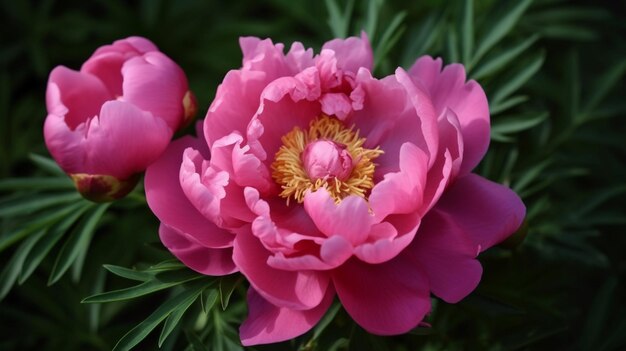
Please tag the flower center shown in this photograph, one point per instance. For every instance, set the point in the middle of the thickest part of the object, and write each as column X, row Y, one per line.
column 327, row 155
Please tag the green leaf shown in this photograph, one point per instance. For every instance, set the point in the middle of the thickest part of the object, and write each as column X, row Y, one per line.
column 173, row 319
column 598, row 314
column 34, row 183
column 389, row 38
column 53, row 235
column 373, row 9
column 209, row 298
column 13, row 268
column 138, row 333
column 46, row 164
column 503, row 59
column 196, row 342
column 530, row 175
column 467, row 33
column 28, row 204
column 517, row 123
column 519, row 78
column 77, row 242
column 226, row 286
column 604, row 86
column 452, row 45
column 338, row 21
column 500, row 28
column 422, row 38
column 325, row 321
column 128, row 273
column 160, row 281
column 507, row 104
column 41, row 221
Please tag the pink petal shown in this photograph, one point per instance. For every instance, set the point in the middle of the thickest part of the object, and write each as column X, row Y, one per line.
column 334, row 251
column 153, row 82
column 107, row 67
column 168, row 202
column 389, row 119
column 74, row 95
column 298, row 58
column 385, row 299
column 124, row 140
column 487, row 212
column 349, row 219
column 384, row 249
column 267, row 323
column 352, row 53
column 448, row 162
column 244, row 168
column 401, row 192
column 300, row 290
column 236, row 101
column 283, row 107
column 131, row 46
column 196, row 256
column 447, row 255
column 65, row 145
column 448, row 89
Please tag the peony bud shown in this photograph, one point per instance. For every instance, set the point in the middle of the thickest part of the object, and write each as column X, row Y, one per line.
column 107, row 122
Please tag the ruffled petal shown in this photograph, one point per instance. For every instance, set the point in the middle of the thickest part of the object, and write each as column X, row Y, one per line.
column 196, row 256
column 267, row 323
column 385, row 299
column 352, row 53
column 448, row 89
column 388, row 119
column 350, row 218
column 487, row 212
column 402, row 191
column 284, row 105
column 300, row 290
column 169, row 203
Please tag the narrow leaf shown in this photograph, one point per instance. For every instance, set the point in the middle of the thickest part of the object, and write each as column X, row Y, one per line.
column 389, row 38
column 31, row 203
column 174, row 318
column 33, row 183
column 518, row 79
column 53, row 235
column 46, row 164
column 128, row 273
column 78, row 241
column 467, row 33
column 497, row 62
column 13, row 268
column 161, row 281
column 227, row 286
column 138, row 333
column 517, row 123
column 501, row 28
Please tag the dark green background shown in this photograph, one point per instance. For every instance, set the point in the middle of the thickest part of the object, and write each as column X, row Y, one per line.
column 563, row 148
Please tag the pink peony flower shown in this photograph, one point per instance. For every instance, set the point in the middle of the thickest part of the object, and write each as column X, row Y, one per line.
column 107, row 122
column 314, row 180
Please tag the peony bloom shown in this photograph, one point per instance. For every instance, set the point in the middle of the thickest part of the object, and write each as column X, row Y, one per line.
column 107, row 122
column 314, row 180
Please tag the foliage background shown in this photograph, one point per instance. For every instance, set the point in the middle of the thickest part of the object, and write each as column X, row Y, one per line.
column 553, row 71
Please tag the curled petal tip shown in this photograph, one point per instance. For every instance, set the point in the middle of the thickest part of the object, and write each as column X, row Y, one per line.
column 103, row 188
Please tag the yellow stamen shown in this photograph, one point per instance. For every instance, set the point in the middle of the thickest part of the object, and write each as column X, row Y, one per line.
column 288, row 170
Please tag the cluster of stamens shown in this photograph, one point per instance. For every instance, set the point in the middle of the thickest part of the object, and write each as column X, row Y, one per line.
column 326, row 155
